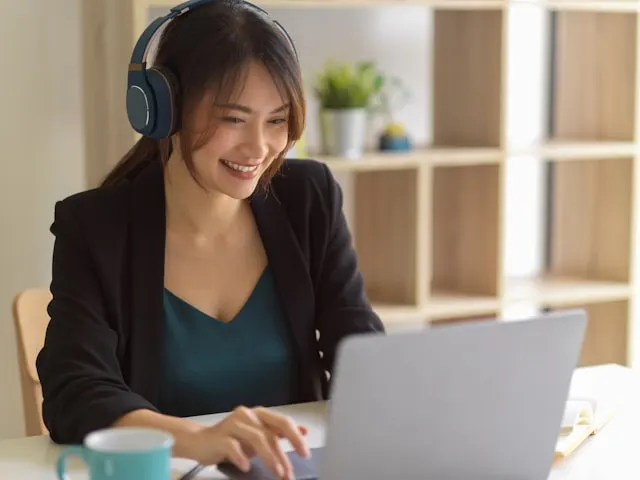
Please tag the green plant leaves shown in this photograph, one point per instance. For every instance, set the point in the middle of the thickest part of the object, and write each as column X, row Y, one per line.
column 344, row 85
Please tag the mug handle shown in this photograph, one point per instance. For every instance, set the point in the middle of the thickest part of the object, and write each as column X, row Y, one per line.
column 62, row 460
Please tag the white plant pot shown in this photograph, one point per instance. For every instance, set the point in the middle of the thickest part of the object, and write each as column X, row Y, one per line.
column 343, row 132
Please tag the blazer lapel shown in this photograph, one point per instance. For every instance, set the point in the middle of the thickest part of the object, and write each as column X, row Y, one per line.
column 294, row 283
column 147, row 263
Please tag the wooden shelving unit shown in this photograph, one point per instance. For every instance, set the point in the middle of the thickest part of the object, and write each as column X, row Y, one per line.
column 429, row 224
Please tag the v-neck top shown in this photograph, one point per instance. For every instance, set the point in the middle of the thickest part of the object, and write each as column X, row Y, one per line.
column 211, row 366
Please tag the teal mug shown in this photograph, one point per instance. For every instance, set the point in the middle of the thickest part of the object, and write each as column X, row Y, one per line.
column 125, row 453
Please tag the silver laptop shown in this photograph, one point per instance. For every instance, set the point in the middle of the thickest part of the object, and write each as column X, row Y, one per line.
column 474, row 401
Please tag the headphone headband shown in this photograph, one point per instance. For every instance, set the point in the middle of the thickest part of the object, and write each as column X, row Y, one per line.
column 139, row 54
column 150, row 93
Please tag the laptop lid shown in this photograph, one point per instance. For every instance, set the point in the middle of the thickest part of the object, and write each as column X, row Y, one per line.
column 481, row 400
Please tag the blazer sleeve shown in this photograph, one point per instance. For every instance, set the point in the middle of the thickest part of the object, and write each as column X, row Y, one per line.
column 82, row 385
column 342, row 306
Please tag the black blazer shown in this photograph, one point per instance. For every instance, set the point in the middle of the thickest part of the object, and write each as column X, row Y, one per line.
column 102, row 351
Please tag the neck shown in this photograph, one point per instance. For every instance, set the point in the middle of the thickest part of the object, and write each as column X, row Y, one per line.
column 191, row 208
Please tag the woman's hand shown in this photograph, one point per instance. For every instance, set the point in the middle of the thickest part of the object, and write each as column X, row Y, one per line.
column 245, row 433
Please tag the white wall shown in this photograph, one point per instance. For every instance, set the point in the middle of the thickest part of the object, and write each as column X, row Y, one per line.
column 41, row 159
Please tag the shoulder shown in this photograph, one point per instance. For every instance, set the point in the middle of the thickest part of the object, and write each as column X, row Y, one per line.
column 106, row 209
column 96, row 200
column 307, row 184
column 97, row 211
column 304, row 170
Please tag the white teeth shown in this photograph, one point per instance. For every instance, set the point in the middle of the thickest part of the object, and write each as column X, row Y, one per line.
column 240, row 168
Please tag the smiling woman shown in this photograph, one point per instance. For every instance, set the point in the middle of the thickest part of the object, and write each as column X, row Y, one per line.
column 197, row 277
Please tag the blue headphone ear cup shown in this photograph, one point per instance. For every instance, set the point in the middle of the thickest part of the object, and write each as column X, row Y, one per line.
column 164, row 86
column 141, row 108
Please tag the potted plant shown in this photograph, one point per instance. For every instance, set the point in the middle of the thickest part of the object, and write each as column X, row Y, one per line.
column 346, row 92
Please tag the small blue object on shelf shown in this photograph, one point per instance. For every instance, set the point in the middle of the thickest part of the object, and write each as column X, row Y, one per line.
column 394, row 143
column 394, row 139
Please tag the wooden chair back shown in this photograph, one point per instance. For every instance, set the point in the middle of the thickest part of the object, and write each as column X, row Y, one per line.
column 31, row 319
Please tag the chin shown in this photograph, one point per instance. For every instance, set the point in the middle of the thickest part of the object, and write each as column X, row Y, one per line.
column 237, row 192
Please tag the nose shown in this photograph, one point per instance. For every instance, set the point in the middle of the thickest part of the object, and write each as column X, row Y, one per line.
column 256, row 145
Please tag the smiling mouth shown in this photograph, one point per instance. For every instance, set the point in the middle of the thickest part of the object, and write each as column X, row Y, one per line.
column 238, row 167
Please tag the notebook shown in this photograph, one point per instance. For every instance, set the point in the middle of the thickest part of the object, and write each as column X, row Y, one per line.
column 595, row 397
column 578, row 423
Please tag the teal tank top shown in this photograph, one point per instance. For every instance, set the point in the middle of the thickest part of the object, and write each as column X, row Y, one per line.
column 211, row 367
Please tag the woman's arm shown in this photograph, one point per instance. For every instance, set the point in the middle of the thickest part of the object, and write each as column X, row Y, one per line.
column 82, row 385
column 182, row 429
column 342, row 305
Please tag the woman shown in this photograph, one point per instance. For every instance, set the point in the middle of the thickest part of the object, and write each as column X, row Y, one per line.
column 196, row 278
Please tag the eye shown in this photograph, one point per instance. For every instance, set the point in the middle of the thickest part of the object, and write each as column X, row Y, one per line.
column 234, row 120
column 278, row 121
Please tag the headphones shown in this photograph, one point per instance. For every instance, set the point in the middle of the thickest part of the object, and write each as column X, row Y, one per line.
column 151, row 93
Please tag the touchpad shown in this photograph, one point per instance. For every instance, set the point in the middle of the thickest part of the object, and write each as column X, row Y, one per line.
column 303, row 468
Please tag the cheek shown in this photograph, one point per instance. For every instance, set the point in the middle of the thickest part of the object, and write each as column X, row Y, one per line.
column 222, row 140
column 279, row 141
column 220, row 143
column 206, row 157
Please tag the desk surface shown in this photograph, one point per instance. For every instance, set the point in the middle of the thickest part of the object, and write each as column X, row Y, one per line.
column 611, row 454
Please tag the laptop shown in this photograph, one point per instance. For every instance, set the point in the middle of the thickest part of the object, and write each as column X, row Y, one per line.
column 481, row 400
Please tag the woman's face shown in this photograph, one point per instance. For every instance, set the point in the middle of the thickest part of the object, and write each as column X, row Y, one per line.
column 251, row 133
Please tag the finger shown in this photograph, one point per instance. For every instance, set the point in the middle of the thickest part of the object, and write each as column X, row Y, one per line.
column 286, row 427
column 282, row 456
column 234, row 454
column 252, row 417
column 256, row 438
column 246, row 415
column 303, row 431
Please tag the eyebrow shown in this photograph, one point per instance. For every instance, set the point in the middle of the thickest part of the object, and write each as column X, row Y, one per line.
column 245, row 109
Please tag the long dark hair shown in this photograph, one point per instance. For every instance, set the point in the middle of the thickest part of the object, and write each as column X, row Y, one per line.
column 209, row 49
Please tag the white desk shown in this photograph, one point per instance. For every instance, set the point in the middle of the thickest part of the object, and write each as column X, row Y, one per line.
column 613, row 454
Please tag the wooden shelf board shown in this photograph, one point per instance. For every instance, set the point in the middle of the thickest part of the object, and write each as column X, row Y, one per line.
column 591, row 5
column 465, row 4
column 372, row 161
column 400, row 315
column 452, row 156
column 562, row 291
column 443, row 4
column 444, row 304
column 588, row 5
column 440, row 306
column 436, row 156
column 579, row 150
